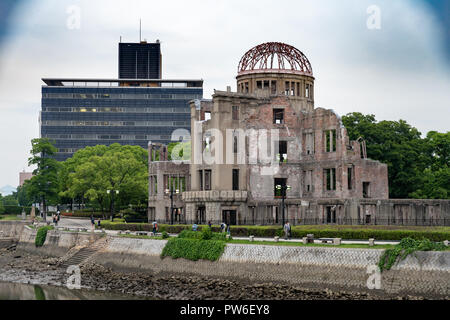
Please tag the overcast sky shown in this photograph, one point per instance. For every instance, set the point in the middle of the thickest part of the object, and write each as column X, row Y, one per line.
column 400, row 71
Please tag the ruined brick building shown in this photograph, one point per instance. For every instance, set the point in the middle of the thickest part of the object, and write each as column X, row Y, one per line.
column 265, row 145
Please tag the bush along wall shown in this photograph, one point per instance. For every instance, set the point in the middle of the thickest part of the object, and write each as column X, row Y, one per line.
column 41, row 234
column 406, row 247
column 194, row 245
column 272, row 231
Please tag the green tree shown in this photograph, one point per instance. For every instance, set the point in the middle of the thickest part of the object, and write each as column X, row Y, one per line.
column 416, row 167
column 2, row 208
column 94, row 170
column 43, row 186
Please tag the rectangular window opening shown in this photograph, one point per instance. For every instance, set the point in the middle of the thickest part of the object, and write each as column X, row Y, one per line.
column 278, row 116
column 235, row 179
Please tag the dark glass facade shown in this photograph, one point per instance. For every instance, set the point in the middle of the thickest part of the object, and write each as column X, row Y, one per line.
column 76, row 116
column 140, row 60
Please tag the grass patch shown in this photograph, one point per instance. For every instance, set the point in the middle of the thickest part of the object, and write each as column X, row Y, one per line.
column 133, row 236
column 406, row 247
column 9, row 217
column 205, row 234
column 41, row 235
column 193, row 249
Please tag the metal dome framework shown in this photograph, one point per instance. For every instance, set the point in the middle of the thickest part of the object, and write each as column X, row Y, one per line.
column 274, row 56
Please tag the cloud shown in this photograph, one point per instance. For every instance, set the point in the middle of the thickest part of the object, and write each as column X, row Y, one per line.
column 399, row 71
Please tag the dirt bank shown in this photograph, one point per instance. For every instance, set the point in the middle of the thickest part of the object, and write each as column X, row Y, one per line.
column 16, row 266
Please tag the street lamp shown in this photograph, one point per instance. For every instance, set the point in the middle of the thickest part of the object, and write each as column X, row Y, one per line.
column 171, row 192
column 112, row 192
column 283, row 188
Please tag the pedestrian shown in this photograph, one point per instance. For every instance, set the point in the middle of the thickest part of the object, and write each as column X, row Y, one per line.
column 224, row 227
column 194, row 227
column 287, row 230
column 92, row 223
column 221, row 227
column 154, row 229
column 54, row 219
column 98, row 223
column 209, row 224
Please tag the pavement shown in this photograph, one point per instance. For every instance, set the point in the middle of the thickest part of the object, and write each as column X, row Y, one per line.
column 86, row 223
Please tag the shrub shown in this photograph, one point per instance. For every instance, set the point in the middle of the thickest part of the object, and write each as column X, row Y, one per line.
column 406, row 247
column 205, row 234
column 320, row 231
column 165, row 235
column 193, row 249
column 41, row 235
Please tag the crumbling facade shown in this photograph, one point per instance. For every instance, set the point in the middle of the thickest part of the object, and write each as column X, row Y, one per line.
column 265, row 145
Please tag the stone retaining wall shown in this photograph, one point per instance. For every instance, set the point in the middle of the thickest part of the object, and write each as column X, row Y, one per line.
column 423, row 273
column 426, row 273
column 12, row 229
column 56, row 243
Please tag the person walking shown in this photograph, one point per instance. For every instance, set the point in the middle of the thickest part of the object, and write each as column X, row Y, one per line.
column 92, row 223
column 155, row 227
column 209, row 224
column 287, row 230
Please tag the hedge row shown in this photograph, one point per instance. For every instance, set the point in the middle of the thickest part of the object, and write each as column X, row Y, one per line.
column 18, row 210
column 193, row 249
column 271, row 231
column 41, row 234
column 354, row 234
column 84, row 214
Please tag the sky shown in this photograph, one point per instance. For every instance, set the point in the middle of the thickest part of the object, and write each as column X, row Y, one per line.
column 392, row 61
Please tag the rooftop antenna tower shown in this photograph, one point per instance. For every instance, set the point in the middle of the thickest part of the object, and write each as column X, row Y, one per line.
column 140, row 30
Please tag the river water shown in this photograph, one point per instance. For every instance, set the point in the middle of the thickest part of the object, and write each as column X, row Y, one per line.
column 20, row 291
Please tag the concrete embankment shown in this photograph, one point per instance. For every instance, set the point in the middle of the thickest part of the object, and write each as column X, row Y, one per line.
column 423, row 273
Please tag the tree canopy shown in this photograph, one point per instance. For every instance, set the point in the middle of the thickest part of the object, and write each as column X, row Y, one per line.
column 417, row 167
column 94, row 170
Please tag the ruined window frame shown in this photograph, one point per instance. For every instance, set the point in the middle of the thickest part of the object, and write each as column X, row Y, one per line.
column 330, row 140
column 208, row 179
column 235, row 179
column 234, row 113
column 276, row 115
column 330, row 179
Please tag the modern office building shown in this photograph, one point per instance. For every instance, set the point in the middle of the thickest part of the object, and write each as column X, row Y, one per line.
column 86, row 112
column 134, row 109
column 140, row 60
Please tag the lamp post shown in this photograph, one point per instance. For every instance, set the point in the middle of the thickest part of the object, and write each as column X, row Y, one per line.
column 283, row 188
column 112, row 192
column 171, row 191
